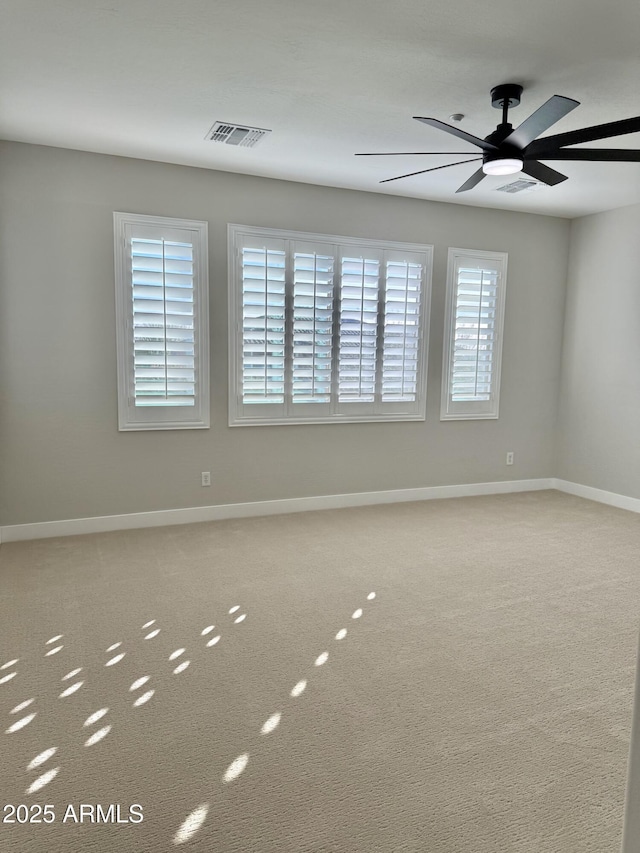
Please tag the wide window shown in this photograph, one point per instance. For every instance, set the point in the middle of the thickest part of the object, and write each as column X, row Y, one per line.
column 325, row 328
column 162, row 322
column 476, row 284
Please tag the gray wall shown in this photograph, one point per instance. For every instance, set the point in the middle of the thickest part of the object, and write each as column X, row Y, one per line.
column 599, row 413
column 61, row 454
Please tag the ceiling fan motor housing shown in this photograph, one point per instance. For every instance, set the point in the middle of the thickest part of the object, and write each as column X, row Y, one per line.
column 503, row 151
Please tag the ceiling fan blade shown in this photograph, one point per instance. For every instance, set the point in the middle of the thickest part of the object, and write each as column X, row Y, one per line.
column 456, row 131
column 585, row 134
column 543, row 173
column 604, row 155
column 408, row 153
column 433, row 169
column 471, row 182
column 549, row 113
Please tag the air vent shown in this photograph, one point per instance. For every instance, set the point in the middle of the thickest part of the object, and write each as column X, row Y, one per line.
column 236, row 134
column 520, row 186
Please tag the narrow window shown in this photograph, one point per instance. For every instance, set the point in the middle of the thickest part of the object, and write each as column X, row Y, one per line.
column 162, row 322
column 476, row 283
column 325, row 328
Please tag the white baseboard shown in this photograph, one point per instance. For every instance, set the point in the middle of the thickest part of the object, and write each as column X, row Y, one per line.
column 599, row 495
column 101, row 524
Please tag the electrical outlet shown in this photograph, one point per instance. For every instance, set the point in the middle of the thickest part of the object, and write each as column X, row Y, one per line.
column 206, row 478
column 510, row 457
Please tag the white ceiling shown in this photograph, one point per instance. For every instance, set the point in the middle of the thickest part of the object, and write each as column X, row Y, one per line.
column 148, row 78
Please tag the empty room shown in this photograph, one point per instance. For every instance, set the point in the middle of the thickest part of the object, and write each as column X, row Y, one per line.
column 319, row 418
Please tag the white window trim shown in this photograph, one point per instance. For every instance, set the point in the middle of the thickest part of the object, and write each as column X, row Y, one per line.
column 480, row 410
column 131, row 417
column 236, row 231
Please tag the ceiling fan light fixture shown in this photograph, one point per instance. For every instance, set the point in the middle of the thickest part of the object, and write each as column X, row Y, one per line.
column 502, row 166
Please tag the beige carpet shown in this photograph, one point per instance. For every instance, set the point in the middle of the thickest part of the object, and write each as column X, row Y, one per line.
column 480, row 702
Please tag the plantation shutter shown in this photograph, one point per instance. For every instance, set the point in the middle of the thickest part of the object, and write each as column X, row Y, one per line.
column 475, row 330
column 162, row 322
column 474, row 334
column 325, row 330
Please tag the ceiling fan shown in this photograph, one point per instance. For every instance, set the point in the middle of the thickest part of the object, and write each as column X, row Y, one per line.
column 507, row 151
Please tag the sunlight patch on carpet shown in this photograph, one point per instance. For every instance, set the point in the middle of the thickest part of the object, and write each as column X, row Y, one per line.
column 98, row 736
column 97, row 715
column 20, row 724
column 21, row 706
column 41, row 758
column 272, row 723
column 142, row 700
column 43, row 780
column 71, row 689
column 299, row 688
column 71, row 674
column 191, row 824
column 236, row 768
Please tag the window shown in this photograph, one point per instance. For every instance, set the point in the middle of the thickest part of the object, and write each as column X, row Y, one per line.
column 326, row 329
column 162, row 322
column 476, row 283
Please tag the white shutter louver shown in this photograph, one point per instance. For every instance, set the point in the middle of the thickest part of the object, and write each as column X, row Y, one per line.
column 163, row 323
column 263, row 325
column 475, row 300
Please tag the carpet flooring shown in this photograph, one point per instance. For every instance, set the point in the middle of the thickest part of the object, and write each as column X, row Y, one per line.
column 448, row 676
